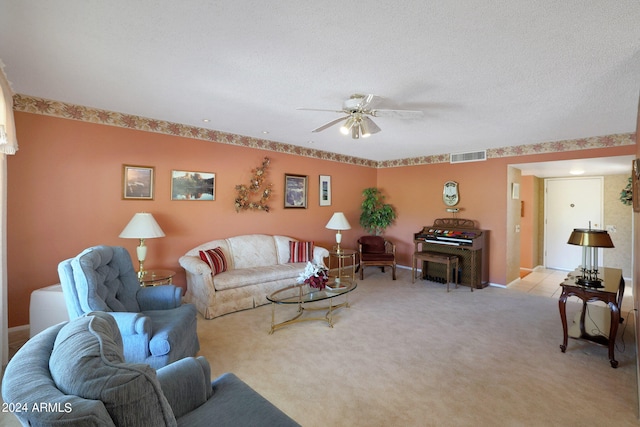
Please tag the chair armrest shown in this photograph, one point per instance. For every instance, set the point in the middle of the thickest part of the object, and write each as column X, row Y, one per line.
column 186, row 384
column 194, row 265
column 390, row 247
column 132, row 323
column 159, row 297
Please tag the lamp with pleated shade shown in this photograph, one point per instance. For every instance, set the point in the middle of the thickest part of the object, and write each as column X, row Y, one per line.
column 142, row 226
column 338, row 222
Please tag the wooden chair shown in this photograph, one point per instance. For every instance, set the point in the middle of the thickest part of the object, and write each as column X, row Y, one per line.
column 376, row 251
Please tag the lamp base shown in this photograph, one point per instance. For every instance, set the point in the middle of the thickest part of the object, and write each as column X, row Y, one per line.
column 589, row 283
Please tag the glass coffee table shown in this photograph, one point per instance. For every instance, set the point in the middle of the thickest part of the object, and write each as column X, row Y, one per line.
column 305, row 298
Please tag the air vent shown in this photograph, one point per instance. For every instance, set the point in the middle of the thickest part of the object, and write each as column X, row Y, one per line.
column 471, row 156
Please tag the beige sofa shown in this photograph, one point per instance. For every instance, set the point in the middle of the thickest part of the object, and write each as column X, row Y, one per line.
column 257, row 265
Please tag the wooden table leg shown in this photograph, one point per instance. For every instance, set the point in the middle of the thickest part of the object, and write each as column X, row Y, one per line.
column 562, row 304
column 613, row 330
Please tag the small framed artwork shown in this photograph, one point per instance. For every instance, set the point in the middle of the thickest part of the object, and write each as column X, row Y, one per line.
column 325, row 190
column 189, row 185
column 515, row 191
column 295, row 191
column 137, row 182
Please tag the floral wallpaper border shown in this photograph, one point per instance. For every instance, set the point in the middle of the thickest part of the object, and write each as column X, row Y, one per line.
column 29, row 104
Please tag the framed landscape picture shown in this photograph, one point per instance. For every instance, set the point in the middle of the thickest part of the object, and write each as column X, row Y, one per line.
column 188, row 185
column 137, row 182
column 295, row 191
column 325, row 190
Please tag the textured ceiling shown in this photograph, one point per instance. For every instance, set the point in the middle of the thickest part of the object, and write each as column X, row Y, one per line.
column 486, row 74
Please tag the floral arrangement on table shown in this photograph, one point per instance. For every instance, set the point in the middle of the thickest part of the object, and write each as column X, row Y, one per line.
column 316, row 276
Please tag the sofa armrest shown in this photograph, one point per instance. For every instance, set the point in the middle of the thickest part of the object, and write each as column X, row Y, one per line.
column 319, row 254
column 132, row 323
column 159, row 297
column 186, row 384
column 194, row 265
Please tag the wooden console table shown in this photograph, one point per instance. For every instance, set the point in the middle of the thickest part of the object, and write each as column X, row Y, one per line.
column 611, row 294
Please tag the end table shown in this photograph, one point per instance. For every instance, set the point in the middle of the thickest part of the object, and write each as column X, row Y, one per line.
column 611, row 294
column 341, row 257
column 156, row 277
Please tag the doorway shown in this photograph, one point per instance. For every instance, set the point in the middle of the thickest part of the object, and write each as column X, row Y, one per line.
column 569, row 203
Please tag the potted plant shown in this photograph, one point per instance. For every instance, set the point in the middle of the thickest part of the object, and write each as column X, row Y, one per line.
column 376, row 215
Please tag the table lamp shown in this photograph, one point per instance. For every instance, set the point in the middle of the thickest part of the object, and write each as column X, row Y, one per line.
column 590, row 240
column 338, row 222
column 142, row 226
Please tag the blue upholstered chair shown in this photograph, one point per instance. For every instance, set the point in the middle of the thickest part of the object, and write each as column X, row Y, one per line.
column 74, row 374
column 156, row 327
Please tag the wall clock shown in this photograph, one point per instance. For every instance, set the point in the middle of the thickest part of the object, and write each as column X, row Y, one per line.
column 450, row 195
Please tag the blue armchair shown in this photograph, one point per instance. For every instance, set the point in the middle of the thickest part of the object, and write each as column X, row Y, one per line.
column 76, row 369
column 156, row 327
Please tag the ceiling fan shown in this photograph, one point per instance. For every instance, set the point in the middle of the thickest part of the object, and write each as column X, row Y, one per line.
column 359, row 109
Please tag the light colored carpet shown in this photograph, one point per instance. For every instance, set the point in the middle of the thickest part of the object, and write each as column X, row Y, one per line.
column 414, row 355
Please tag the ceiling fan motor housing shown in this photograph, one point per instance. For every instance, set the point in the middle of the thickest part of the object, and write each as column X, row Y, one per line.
column 353, row 104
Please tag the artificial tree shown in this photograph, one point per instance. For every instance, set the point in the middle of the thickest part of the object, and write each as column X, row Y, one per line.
column 376, row 215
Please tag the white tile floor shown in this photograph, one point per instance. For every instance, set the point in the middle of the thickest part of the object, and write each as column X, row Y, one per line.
column 546, row 282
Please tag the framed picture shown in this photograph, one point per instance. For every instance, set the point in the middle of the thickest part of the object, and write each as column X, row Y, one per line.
column 137, row 182
column 295, row 191
column 325, row 190
column 515, row 190
column 188, row 185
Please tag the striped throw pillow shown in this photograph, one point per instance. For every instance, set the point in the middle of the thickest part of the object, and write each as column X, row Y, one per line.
column 301, row 251
column 215, row 259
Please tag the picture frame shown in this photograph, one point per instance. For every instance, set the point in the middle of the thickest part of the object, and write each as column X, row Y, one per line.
column 193, row 185
column 325, row 190
column 295, row 191
column 515, row 191
column 138, row 182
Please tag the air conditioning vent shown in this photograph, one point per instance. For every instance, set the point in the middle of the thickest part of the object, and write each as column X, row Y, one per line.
column 471, row 156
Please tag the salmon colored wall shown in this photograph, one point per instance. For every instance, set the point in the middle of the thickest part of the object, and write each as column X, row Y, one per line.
column 64, row 195
column 416, row 193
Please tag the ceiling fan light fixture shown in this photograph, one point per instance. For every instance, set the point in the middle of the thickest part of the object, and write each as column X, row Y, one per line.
column 355, row 132
column 364, row 129
column 348, row 126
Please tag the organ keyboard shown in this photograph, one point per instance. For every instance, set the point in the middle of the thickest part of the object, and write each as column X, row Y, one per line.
column 460, row 237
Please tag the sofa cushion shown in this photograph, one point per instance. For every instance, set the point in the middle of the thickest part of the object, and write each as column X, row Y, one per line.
column 301, row 251
column 87, row 361
column 253, row 250
column 216, row 260
column 251, row 276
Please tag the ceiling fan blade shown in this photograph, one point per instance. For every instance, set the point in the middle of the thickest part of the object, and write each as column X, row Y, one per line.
column 320, row 109
column 370, row 101
column 331, row 123
column 398, row 114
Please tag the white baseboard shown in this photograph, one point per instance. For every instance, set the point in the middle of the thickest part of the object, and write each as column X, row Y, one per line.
column 19, row 328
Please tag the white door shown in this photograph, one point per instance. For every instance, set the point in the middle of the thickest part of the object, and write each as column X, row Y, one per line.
column 570, row 203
